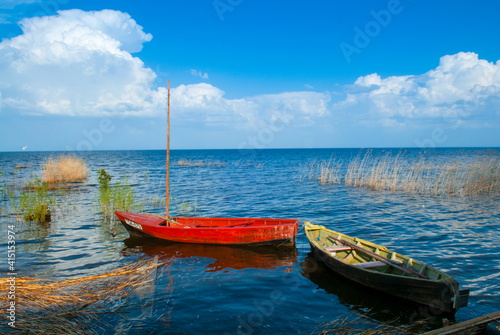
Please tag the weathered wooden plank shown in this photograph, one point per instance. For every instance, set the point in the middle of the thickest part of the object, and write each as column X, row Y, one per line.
column 469, row 327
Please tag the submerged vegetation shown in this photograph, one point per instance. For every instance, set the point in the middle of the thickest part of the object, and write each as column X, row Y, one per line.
column 36, row 199
column 91, row 304
column 118, row 197
column 199, row 163
column 471, row 176
column 359, row 326
column 65, row 169
column 35, row 202
column 4, row 190
column 186, row 208
column 77, row 305
column 427, row 174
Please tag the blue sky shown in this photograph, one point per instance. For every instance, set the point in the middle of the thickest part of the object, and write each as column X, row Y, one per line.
column 91, row 75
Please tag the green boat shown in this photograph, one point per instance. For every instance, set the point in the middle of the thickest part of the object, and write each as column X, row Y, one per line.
column 379, row 268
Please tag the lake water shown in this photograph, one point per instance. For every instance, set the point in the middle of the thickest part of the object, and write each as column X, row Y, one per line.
column 230, row 290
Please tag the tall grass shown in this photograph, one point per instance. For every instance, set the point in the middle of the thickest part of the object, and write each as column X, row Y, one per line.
column 326, row 172
column 476, row 175
column 118, row 197
column 35, row 202
column 473, row 175
column 65, row 169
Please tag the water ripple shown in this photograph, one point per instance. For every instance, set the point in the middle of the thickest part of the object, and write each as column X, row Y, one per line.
column 458, row 235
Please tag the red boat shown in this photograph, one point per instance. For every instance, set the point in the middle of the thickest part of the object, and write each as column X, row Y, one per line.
column 234, row 231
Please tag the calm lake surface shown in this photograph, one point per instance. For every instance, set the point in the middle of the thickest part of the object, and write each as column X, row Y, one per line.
column 230, row 290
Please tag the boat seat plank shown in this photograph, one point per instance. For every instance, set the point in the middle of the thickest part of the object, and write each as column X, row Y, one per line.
column 369, row 264
column 333, row 248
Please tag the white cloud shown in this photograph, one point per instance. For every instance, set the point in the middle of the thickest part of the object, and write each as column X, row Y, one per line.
column 78, row 63
column 81, row 63
column 303, row 107
column 200, row 74
column 462, row 86
column 206, row 103
column 461, row 77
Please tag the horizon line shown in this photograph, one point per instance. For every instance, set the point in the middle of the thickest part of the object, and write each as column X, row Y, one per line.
column 251, row 149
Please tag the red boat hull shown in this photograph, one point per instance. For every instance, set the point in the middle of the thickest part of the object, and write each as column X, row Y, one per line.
column 231, row 231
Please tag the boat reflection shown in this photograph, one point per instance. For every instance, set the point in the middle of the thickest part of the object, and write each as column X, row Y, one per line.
column 225, row 257
column 370, row 303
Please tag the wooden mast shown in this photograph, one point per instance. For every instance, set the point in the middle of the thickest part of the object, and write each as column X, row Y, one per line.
column 167, row 167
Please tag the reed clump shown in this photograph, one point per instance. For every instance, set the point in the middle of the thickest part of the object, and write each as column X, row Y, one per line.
column 35, row 202
column 117, row 197
column 65, row 169
column 329, row 174
column 326, row 172
column 187, row 162
column 74, row 306
column 472, row 176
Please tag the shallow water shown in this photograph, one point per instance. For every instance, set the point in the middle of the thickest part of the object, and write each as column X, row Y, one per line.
column 229, row 290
